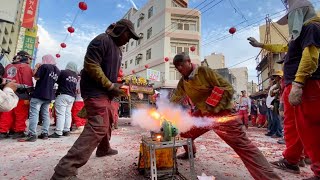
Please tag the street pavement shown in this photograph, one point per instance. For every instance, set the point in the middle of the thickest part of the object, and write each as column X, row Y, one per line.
column 36, row 161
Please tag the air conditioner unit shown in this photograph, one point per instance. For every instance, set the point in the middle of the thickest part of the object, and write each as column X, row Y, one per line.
column 139, row 56
column 141, row 16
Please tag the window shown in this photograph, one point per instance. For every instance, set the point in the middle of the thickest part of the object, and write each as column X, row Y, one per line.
column 186, row 27
column 193, row 27
column 149, row 33
column 126, row 64
column 127, row 47
column 138, row 22
column 150, row 12
column 186, row 50
column 137, row 61
column 174, row 25
column 173, row 73
column 132, row 43
column 178, row 47
column 173, row 49
column 138, row 42
column 131, row 60
column 148, row 54
column 179, row 24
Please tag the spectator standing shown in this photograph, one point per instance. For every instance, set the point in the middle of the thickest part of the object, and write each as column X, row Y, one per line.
column 262, row 113
column 66, row 93
column 244, row 108
column 78, row 104
column 21, row 72
column 253, row 113
column 8, row 99
column 46, row 75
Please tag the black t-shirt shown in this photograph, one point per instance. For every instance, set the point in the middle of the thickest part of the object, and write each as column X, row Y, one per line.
column 253, row 109
column 48, row 75
column 67, row 82
column 263, row 109
column 104, row 53
column 310, row 35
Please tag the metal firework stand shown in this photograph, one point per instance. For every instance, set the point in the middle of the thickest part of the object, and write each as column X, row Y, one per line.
column 149, row 147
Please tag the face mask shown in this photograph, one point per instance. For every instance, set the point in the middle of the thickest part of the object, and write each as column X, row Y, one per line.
column 297, row 18
column 295, row 22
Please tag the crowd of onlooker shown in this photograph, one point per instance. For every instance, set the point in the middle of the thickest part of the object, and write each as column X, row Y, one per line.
column 42, row 96
column 42, row 87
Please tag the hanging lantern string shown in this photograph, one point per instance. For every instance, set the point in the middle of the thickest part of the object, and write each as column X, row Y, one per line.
column 75, row 18
column 73, row 22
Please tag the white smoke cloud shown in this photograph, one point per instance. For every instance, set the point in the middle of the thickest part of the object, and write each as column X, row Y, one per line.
column 181, row 118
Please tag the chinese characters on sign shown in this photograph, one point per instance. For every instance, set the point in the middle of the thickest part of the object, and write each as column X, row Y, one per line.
column 30, row 40
column 28, row 44
column 153, row 75
column 29, row 13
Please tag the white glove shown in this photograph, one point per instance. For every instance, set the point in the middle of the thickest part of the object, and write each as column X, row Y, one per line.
column 254, row 42
column 295, row 96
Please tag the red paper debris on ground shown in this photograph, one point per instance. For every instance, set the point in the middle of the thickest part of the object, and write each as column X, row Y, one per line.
column 36, row 160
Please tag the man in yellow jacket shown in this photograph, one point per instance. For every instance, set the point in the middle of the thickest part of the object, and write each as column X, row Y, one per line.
column 212, row 96
column 302, row 85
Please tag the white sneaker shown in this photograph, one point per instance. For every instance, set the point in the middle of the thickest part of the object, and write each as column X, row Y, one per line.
column 78, row 130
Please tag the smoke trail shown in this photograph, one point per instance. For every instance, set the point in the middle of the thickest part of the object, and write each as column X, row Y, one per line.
column 174, row 113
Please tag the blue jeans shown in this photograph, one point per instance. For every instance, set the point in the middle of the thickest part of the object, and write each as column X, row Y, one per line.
column 270, row 119
column 63, row 105
column 35, row 106
column 276, row 126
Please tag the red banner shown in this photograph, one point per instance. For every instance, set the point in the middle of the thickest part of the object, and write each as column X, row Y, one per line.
column 29, row 13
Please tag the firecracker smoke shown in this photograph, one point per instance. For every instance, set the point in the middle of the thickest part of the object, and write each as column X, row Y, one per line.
column 142, row 116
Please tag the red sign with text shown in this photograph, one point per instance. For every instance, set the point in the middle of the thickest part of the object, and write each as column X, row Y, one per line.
column 30, row 13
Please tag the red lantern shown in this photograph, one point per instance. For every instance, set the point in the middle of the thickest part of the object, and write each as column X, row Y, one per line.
column 58, row 55
column 192, row 48
column 83, row 6
column 166, row 59
column 146, row 66
column 232, row 30
column 63, row 45
column 133, row 72
column 70, row 29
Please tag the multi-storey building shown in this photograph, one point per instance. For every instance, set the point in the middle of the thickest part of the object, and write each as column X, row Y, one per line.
column 9, row 31
column 215, row 61
column 166, row 27
column 241, row 75
column 13, row 35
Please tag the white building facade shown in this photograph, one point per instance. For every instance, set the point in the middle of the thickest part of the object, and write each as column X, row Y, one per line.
column 216, row 61
column 166, row 27
column 241, row 75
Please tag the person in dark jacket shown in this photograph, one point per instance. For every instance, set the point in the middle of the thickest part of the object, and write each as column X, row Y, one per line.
column 98, row 87
column 253, row 112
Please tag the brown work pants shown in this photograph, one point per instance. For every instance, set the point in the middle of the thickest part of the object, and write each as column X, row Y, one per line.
column 233, row 134
column 96, row 133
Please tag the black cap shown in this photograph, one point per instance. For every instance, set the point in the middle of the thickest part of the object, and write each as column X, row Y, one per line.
column 23, row 53
column 130, row 26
